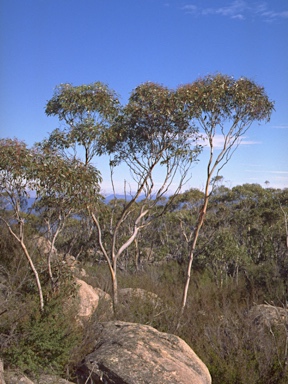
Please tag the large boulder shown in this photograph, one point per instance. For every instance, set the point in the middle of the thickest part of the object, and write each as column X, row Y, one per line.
column 13, row 377
column 128, row 353
column 89, row 299
column 128, row 295
column 16, row 377
column 44, row 246
column 51, row 379
column 268, row 315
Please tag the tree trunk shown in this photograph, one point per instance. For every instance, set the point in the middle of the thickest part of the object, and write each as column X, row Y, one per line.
column 190, row 260
column 137, row 254
column 114, row 289
column 35, row 274
column 30, row 261
column 199, row 224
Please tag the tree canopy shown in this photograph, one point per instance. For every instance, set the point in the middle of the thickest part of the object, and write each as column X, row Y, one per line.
column 86, row 110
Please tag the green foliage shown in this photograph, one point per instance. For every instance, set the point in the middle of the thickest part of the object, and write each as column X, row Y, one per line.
column 70, row 101
column 87, row 110
column 153, row 124
column 32, row 340
column 55, row 180
column 225, row 98
column 41, row 342
column 264, row 282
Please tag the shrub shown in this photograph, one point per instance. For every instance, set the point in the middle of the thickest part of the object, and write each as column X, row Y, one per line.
column 40, row 342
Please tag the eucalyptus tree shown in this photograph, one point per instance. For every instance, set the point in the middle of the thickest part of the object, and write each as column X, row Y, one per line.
column 152, row 132
column 224, row 109
column 16, row 165
column 152, row 135
column 53, row 182
column 85, row 111
column 64, row 188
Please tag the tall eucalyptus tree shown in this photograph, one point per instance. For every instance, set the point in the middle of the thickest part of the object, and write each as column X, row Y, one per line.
column 224, row 109
column 152, row 132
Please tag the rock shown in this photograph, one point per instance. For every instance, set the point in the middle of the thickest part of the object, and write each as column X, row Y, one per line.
column 13, row 377
column 89, row 298
column 128, row 353
column 268, row 315
column 70, row 261
column 126, row 295
column 82, row 272
column 44, row 246
column 51, row 379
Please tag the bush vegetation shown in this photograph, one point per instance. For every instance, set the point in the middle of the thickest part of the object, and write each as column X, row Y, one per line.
column 216, row 323
column 233, row 272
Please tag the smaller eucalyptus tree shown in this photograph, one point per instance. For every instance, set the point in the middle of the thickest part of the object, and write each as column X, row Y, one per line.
column 64, row 189
column 225, row 108
column 57, row 185
column 86, row 111
column 16, row 168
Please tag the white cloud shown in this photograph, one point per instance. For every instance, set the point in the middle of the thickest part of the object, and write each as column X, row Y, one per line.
column 280, row 126
column 218, row 141
column 278, row 176
column 271, row 16
column 272, row 172
column 239, row 9
column 190, row 9
column 277, row 179
column 249, row 142
column 279, row 172
column 235, row 10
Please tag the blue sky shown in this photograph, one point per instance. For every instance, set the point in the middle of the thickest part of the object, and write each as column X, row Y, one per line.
column 125, row 43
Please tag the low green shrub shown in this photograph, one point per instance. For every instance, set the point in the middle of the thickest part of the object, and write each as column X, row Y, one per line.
column 40, row 342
